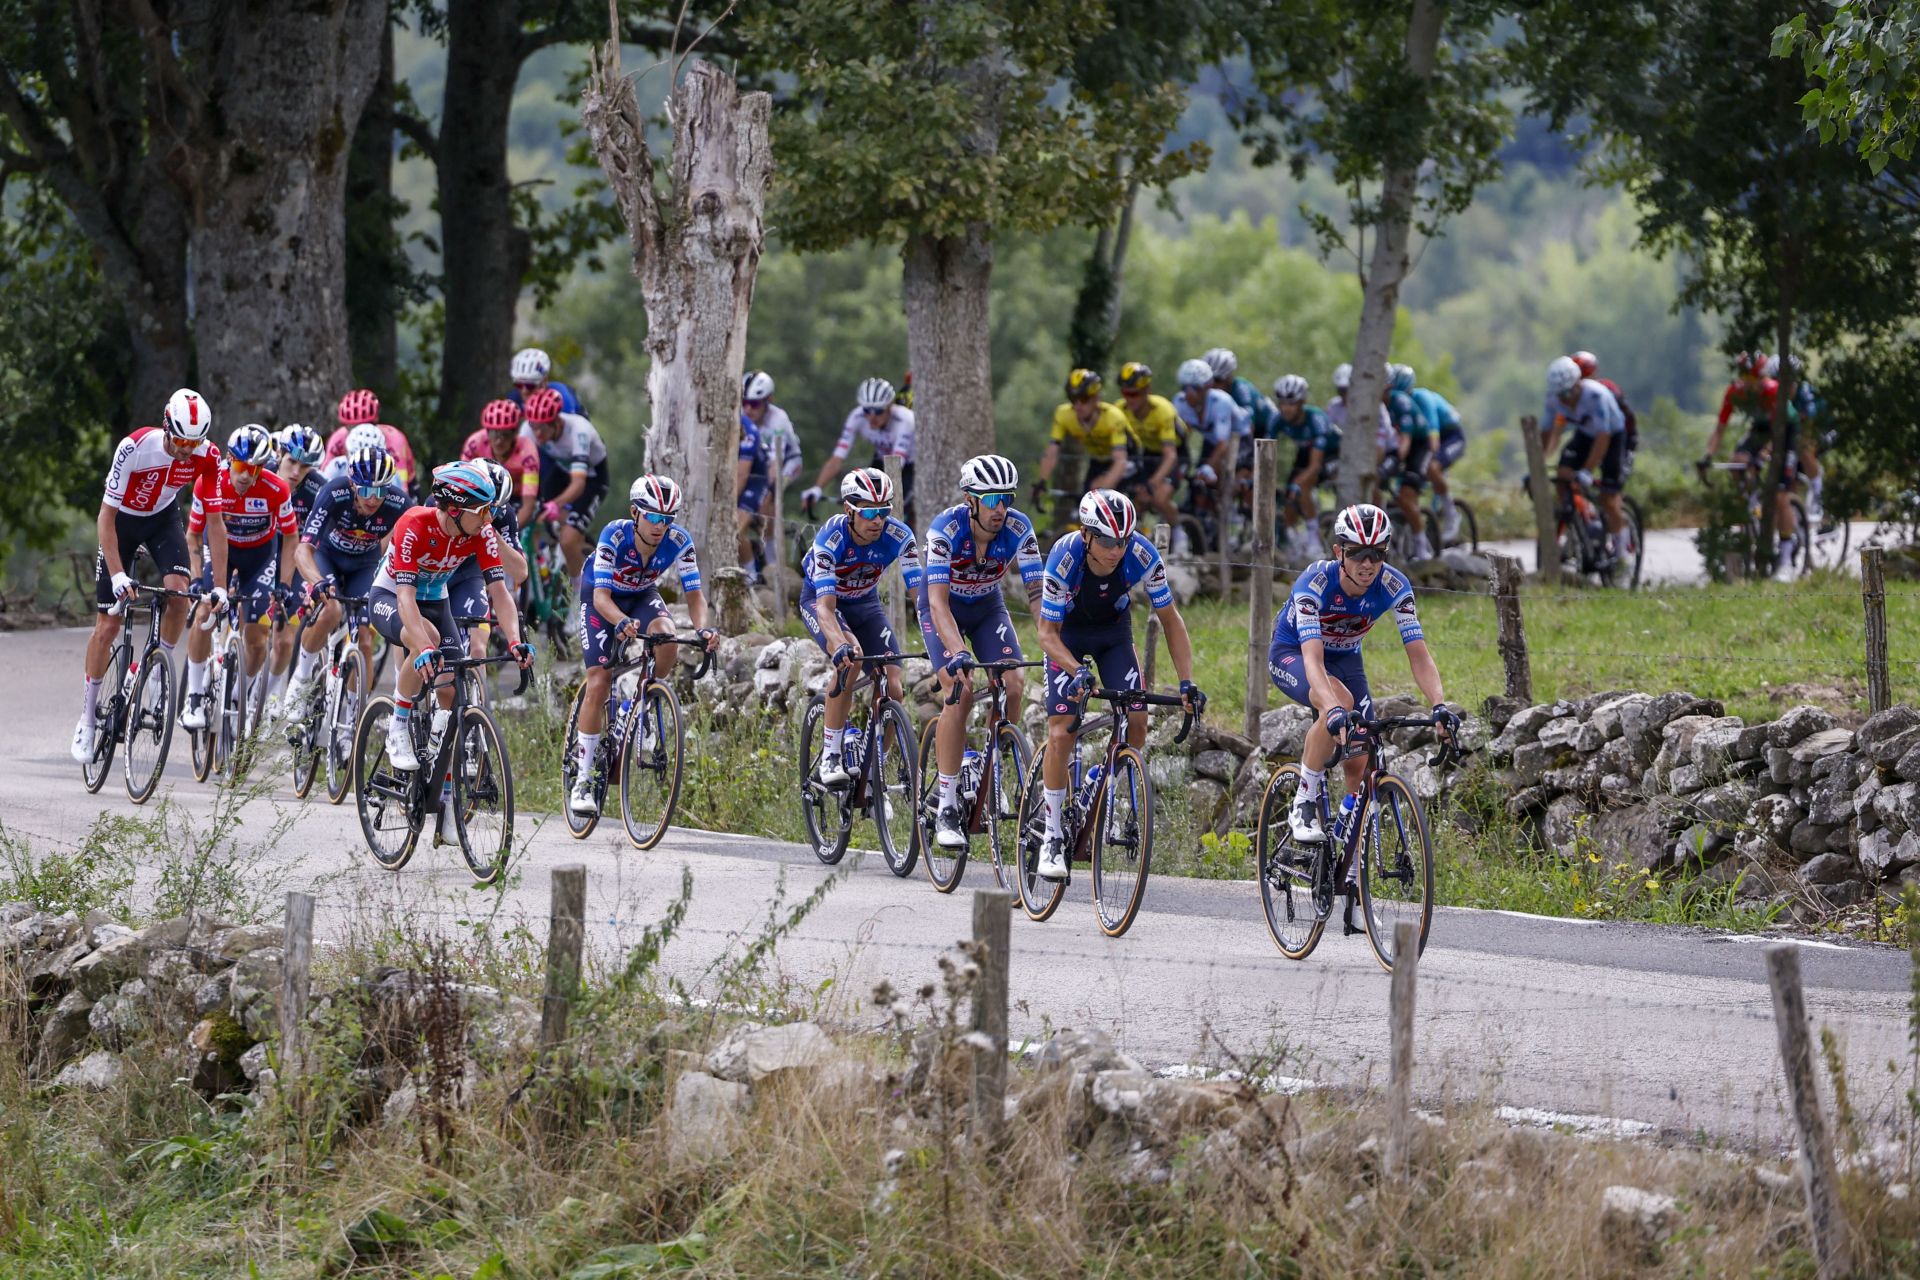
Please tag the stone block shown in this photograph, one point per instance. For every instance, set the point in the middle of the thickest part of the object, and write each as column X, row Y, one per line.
column 1829, row 868
column 1795, row 724
column 1890, row 734
column 1809, row 837
column 1884, row 856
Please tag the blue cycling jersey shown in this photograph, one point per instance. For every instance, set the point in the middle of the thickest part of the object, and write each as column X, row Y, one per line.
column 569, row 401
column 752, row 449
column 840, row 567
column 1070, row 593
column 1315, row 430
column 971, row 573
column 621, row 567
column 333, row 524
column 1595, row 413
column 1261, row 414
column 1409, row 419
column 1320, row 608
column 1441, row 414
column 1218, row 419
column 305, row 492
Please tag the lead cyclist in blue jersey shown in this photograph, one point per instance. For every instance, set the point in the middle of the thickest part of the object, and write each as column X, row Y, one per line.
column 1314, row 656
column 1083, row 614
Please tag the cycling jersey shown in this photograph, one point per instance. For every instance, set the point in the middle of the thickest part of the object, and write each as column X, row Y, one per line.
column 1255, row 407
column 144, row 478
column 1158, row 427
column 1320, row 608
column 425, row 557
column 1751, row 397
column 776, row 427
column 1595, row 413
column 753, row 451
column 1110, row 430
column 620, row 566
column 334, row 460
column 1218, row 420
column 578, row 448
column 523, row 462
column 254, row 518
column 971, row 574
column 569, row 399
column 1409, row 419
column 1069, row 593
column 1434, row 405
column 335, row 526
column 305, row 492
column 892, row 439
column 1315, row 430
column 840, row 567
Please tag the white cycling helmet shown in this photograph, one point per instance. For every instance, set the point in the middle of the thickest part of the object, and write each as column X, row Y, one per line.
column 366, row 436
column 1342, row 377
column 530, row 364
column 1223, row 363
column 1290, row 387
column 187, row 416
column 655, row 493
column 757, row 385
column 1193, row 373
column 989, row 473
column 302, row 444
column 875, row 393
column 866, row 487
column 1109, row 512
column 1362, row 525
column 1563, row 375
column 501, row 477
column 1400, row 377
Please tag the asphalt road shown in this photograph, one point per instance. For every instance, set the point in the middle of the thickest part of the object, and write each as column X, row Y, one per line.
column 1673, row 557
column 1671, row 1027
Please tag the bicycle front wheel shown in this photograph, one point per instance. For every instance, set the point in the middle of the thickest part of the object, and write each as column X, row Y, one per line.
column 944, row 866
column 1121, row 842
column 1396, row 868
column 149, row 727
column 1469, row 534
column 1635, row 530
column 389, row 815
column 893, row 783
column 342, row 712
column 482, row 796
column 1039, row 897
column 828, row 819
column 1286, row 869
column 1006, row 781
column 107, row 719
column 651, row 760
column 580, row 825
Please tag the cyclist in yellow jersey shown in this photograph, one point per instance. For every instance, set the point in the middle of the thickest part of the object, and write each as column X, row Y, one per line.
column 1162, row 442
column 1100, row 427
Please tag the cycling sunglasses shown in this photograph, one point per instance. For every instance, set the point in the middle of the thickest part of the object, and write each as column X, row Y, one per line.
column 1103, row 540
column 873, row 513
column 368, row 490
column 240, row 468
column 995, row 500
column 878, row 413
column 655, row 517
column 1367, row 555
column 752, row 404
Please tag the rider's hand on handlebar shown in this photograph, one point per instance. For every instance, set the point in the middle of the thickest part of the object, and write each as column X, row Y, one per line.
column 551, row 513
column 123, row 585
column 427, row 662
column 1039, row 491
column 1336, row 720
column 959, row 662
column 1585, row 478
column 810, row 495
column 843, row 656
column 709, row 638
column 1191, row 694
column 1080, row 684
column 323, row 589
column 1447, row 721
column 218, row 596
column 521, row 653
column 628, row 629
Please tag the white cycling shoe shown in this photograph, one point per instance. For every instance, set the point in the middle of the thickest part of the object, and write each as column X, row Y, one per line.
column 833, row 770
column 194, row 714
column 1303, row 820
column 1053, row 859
column 581, row 801
column 82, row 748
column 298, row 689
column 400, row 753
column 1450, row 524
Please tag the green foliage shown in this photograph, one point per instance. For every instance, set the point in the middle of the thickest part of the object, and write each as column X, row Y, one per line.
column 630, row 1261
column 96, row 876
column 1864, row 58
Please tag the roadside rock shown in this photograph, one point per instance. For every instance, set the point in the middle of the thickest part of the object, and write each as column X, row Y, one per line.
column 1635, row 1222
column 95, row 1073
column 704, row 1118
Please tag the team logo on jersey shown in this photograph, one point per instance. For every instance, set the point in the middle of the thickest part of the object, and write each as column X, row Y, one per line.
column 938, row 548
column 1287, row 659
column 257, row 506
column 1306, row 607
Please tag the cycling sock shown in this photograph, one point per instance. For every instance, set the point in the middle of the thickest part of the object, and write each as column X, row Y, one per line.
column 402, row 710
column 949, row 783
column 308, row 660
column 1312, row 782
column 589, row 747
column 197, row 676
column 89, row 696
column 277, row 684
column 834, row 738
column 1056, row 800
column 166, row 647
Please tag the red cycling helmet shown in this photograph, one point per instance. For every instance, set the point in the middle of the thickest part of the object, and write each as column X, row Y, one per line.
column 544, row 405
column 1750, row 362
column 358, row 408
column 500, row 415
column 1589, row 363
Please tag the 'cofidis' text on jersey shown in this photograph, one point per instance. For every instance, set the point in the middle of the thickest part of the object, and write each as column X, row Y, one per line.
column 1070, row 590
column 1321, row 608
column 971, row 572
column 620, row 567
column 840, row 567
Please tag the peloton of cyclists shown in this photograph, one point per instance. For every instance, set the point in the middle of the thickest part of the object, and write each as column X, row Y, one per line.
column 360, row 426
column 1211, row 416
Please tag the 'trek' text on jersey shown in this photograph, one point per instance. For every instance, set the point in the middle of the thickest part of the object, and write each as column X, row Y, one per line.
column 840, row 567
column 1072, row 592
column 425, row 558
column 621, row 567
column 970, row 572
column 1321, row 608
column 253, row 518
column 144, row 477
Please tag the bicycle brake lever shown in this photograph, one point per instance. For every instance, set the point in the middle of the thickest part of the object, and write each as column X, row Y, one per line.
column 1186, row 727
column 706, row 662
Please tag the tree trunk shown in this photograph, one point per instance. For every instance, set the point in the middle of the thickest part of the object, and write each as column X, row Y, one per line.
column 1096, row 312
column 1380, row 298
column 269, row 238
column 155, row 301
column 374, row 261
column 695, row 259
column 946, row 284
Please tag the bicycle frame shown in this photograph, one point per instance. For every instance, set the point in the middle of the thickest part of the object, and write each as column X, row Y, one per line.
column 1363, row 739
column 1125, row 702
column 996, row 690
column 874, row 683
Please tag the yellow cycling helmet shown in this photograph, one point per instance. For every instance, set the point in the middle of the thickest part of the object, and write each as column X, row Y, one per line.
column 1082, row 383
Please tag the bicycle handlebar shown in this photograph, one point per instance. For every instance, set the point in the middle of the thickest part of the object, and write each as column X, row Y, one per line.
column 1449, row 749
column 1140, row 700
column 119, row 608
column 992, row 669
column 866, row 659
column 654, row 640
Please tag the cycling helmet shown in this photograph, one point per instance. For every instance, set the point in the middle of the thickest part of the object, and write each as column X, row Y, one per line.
column 1772, row 368
column 867, row 487
column 302, row 444
column 1109, row 512
column 1589, row 363
column 502, row 415
column 989, row 473
column 372, row 468
column 1193, row 373
column 1223, row 363
column 1136, row 375
column 1291, row 387
column 463, row 484
column 1563, row 375
column 187, row 416
column 501, row 477
column 252, row 444
column 530, row 365
column 544, row 405
column 1399, row 377
column 1342, row 377
column 875, row 393
column 366, row 436
column 655, row 493
column 1362, row 525
column 1750, row 362
column 359, row 406
column 1083, row 384
column 757, row 385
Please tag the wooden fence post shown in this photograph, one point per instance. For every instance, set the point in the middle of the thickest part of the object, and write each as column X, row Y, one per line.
column 897, row 591
column 1513, row 625
column 776, row 541
column 1873, row 591
column 992, row 909
column 1162, row 539
column 1406, row 963
column 1832, row 1247
column 296, row 964
column 1548, row 553
column 1260, row 585
column 1224, row 522
column 566, row 934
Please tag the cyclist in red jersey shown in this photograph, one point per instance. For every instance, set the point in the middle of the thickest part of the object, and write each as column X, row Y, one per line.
column 501, row 439
column 1753, row 393
column 149, row 469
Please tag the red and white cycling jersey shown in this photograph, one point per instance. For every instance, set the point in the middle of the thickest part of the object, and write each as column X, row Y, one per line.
column 144, row 477
column 423, row 557
column 254, row 518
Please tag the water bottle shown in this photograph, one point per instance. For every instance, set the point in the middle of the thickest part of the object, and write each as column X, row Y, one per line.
column 1090, row 786
column 850, row 749
column 620, row 720
column 970, row 773
column 1348, row 803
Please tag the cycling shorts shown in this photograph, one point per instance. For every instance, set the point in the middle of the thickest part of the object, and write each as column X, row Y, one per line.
column 1303, row 457
column 352, row 575
column 598, row 645
column 1453, row 446
column 468, row 590
column 1288, row 669
column 1413, row 472
column 1760, row 438
column 252, row 575
column 1614, row 468
column 385, row 608
column 752, row 494
column 159, row 532
column 554, row 479
column 1141, row 476
column 1110, row 647
column 865, row 619
column 984, row 627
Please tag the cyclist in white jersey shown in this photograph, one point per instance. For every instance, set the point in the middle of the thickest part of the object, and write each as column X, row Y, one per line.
column 883, row 422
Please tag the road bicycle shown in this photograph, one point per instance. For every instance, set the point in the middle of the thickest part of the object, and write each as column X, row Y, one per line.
column 879, row 754
column 644, row 745
column 1386, row 831
column 321, row 733
column 1106, row 818
column 992, row 780
column 234, row 697
column 1824, row 548
column 1580, row 533
column 136, row 705
column 1467, row 536
column 547, row 594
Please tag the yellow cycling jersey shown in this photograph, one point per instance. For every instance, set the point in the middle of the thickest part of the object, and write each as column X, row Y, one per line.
column 1110, row 430
column 1159, row 428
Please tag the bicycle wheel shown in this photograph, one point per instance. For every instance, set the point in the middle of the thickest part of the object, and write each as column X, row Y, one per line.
column 1572, row 546
column 581, row 825
column 482, row 796
column 1469, row 534
column 1122, row 842
column 1006, row 782
column 1039, row 898
column 229, row 708
column 107, row 717
column 342, row 712
column 307, row 734
column 1396, row 867
column 828, row 819
column 652, row 757
column 1286, row 870
column 944, row 866
column 1803, row 540
column 1829, row 549
column 202, row 740
column 389, row 815
column 893, row 784
column 1635, row 528
column 149, row 727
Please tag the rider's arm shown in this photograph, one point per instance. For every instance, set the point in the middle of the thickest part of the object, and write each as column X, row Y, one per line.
column 1179, row 647
column 105, row 526
column 303, row 561
column 1313, row 658
column 609, row 612
column 504, row 610
column 576, row 485
column 1425, row 674
column 515, row 562
column 217, row 545
column 1598, row 454
column 696, row 608
column 826, row 609
column 289, row 541
column 741, row 470
column 1116, row 467
column 941, row 612
column 1310, row 476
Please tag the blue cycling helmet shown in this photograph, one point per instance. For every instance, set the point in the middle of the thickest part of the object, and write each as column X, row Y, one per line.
column 1399, row 377
column 370, row 468
column 252, row 444
column 463, row 484
column 302, row 444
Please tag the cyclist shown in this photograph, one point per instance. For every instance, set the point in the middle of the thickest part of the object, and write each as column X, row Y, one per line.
column 840, row 597
column 1804, row 409
column 969, row 548
column 1753, row 393
column 1314, row 654
column 886, row 424
column 468, row 590
column 776, row 428
column 299, row 449
column 573, row 472
column 1260, row 413
column 752, row 483
column 501, row 439
column 409, row 593
column 624, row 601
column 1210, row 414
column 1098, row 427
column 255, row 509
column 137, row 510
column 1315, row 463
column 1449, row 447
column 362, row 409
column 1083, row 615
column 1418, row 440
column 339, row 552
column 1156, row 427
column 1598, row 442
column 529, row 371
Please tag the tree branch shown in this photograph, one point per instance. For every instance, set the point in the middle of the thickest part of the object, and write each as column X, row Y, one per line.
column 158, row 38
column 416, row 130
